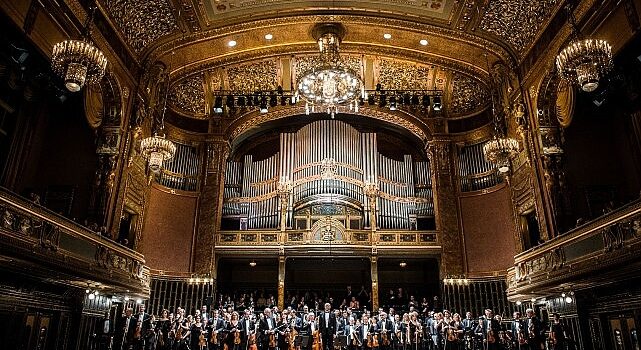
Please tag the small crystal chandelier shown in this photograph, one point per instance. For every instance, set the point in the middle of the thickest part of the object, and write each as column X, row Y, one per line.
column 157, row 149
column 500, row 150
column 330, row 84
column 78, row 61
column 584, row 61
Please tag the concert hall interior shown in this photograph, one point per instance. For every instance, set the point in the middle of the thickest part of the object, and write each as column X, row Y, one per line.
column 271, row 174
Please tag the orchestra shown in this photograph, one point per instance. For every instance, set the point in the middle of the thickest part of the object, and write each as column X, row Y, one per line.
column 336, row 329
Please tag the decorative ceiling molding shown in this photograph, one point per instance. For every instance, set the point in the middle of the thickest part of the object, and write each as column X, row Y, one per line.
column 457, row 36
column 142, row 22
column 254, row 76
column 402, row 75
column 188, row 96
column 517, row 22
column 468, row 95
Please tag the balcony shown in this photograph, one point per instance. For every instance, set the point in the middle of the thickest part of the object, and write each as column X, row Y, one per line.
column 37, row 242
column 603, row 250
column 353, row 241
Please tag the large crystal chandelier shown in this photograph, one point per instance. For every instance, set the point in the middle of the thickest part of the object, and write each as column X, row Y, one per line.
column 500, row 150
column 584, row 61
column 78, row 61
column 330, row 84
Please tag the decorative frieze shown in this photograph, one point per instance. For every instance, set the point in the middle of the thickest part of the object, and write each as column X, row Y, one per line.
column 188, row 95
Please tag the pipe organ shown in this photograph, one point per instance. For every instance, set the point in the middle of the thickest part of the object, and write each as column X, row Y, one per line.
column 182, row 171
column 322, row 169
column 473, row 171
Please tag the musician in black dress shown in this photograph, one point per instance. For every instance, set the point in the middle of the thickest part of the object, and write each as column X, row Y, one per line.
column 198, row 340
column 163, row 326
column 557, row 333
column 234, row 331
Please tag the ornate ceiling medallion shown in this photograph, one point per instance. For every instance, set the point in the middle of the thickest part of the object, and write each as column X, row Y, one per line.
column 79, row 61
column 331, row 83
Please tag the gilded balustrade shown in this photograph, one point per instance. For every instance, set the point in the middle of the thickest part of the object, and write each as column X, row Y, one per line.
column 604, row 247
column 31, row 233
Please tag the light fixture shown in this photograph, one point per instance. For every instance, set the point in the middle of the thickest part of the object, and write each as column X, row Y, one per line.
column 562, row 295
column 330, row 84
column 126, row 298
column 423, row 42
column 533, row 300
column 500, row 149
column 518, row 303
column 252, row 263
column 92, row 296
column 436, row 103
column 387, row 36
column 79, row 62
column 584, row 61
column 402, row 264
column 231, row 43
column 269, row 36
column 157, row 149
column 138, row 301
column 568, row 300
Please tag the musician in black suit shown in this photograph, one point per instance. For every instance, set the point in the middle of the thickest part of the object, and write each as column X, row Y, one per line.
column 128, row 323
column 248, row 328
column 489, row 329
column 327, row 326
column 216, row 325
column 267, row 327
column 518, row 331
column 535, row 331
column 385, row 328
column 142, row 327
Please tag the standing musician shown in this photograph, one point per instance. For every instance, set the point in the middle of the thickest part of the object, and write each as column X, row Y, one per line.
column 312, row 333
column 282, row 333
column 557, row 333
column 469, row 324
column 351, row 331
column 248, row 329
column 434, row 331
column 327, row 326
column 143, row 325
column 163, row 326
column 534, row 331
column 373, row 338
column 385, row 326
column 454, row 333
column 129, row 328
column 397, row 333
column 489, row 329
column 363, row 332
column 180, row 330
column 415, row 332
column 517, row 332
column 198, row 338
column 215, row 327
column 266, row 327
column 233, row 330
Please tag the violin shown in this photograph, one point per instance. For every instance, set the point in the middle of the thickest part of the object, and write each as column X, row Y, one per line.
column 317, row 344
column 251, row 340
column 179, row 333
column 385, row 339
column 450, row 334
column 236, row 337
column 372, row 340
column 137, row 333
column 201, row 341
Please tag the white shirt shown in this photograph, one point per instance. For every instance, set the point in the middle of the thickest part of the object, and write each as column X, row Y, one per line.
column 269, row 322
column 365, row 330
column 327, row 319
column 313, row 326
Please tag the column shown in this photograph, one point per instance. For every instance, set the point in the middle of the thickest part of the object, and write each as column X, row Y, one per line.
column 210, row 206
column 445, row 207
column 281, row 282
column 374, row 271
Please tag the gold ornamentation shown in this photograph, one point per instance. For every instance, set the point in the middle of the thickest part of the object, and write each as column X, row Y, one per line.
column 400, row 75
column 517, row 22
column 188, row 96
column 255, row 76
column 142, row 21
column 468, row 95
column 564, row 103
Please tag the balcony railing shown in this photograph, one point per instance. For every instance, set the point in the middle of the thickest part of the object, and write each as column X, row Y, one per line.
column 600, row 248
column 34, row 234
column 307, row 237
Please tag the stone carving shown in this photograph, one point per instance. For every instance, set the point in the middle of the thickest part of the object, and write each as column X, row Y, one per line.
column 188, row 95
column 517, row 21
column 142, row 21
